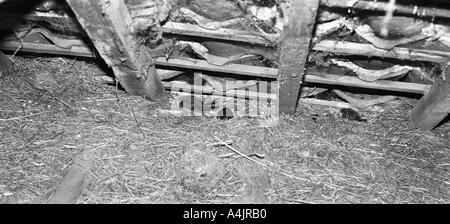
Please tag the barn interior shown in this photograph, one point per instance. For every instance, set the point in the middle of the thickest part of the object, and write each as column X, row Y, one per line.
column 355, row 59
column 350, row 47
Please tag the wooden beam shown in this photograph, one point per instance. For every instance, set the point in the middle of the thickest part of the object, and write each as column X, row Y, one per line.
column 411, row 10
column 295, row 47
column 108, row 24
column 435, row 106
column 220, row 34
column 353, row 81
column 331, row 46
column 351, row 48
column 242, row 94
column 326, row 103
column 47, row 49
column 311, row 77
column 243, row 70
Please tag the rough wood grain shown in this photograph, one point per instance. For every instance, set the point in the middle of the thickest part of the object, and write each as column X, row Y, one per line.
column 415, row 10
column 435, row 106
column 402, row 53
column 242, row 70
column 295, row 48
column 108, row 25
column 220, row 34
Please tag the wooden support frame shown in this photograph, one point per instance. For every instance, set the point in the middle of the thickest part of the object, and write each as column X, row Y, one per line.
column 241, row 70
column 435, row 106
column 331, row 46
column 295, row 47
column 108, row 25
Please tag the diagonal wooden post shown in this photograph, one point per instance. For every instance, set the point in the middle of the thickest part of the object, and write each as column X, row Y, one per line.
column 108, row 24
column 295, row 48
column 434, row 107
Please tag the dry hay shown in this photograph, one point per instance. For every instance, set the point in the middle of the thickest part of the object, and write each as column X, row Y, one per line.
column 140, row 155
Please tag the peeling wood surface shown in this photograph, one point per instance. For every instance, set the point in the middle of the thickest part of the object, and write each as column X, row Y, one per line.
column 108, row 27
column 295, row 48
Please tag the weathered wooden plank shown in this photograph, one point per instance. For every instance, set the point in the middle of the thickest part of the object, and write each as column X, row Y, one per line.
column 295, row 47
column 108, row 25
column 331, row 46
column 244, row 70
column 435, row 106
column 220, row 34
column 353, row 81
column 413, row 10
column 311, row 77
column 47, row 49
column 402, row 53
column 242, row 94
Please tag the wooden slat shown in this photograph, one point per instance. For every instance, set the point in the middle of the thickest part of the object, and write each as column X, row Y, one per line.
column 203, row 65
column 242, row 94
column 350, row 48
column 47, row 49
column 382, row 6
column 313, row 77
column 331, row 46
column 435, row 106
column 295, row 47
column 244, row 70
column 353, row 81
column 220, row 34
column 337, row 104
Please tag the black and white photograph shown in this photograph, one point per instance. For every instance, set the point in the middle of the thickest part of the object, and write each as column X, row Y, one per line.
column 225, row 102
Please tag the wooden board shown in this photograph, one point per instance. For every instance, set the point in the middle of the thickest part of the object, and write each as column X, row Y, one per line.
column 219, row 34
column 435, row 106
column 331, row 46
column 411, row 9
column 295, row 48
column 108, row 25
column 402, row 53
column 353, row 81
column 236, row 69
column 50, row 49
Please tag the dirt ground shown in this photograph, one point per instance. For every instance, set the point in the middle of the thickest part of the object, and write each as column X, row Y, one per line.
column 54, row 110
